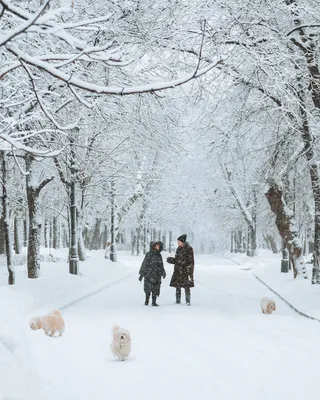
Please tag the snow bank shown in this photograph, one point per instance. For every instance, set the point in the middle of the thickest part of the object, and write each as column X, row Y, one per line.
column 304, row 296
column 55, row 288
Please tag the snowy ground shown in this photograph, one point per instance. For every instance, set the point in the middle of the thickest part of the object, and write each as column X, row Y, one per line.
column 222, row 347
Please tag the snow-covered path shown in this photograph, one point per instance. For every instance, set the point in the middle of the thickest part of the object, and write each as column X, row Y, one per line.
column 222, row 347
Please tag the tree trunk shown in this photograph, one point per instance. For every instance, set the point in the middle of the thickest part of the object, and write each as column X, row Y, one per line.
column 286, row 227
column 232, row 243
column 170, row 241
column 73, row 250
column 34, row 238
column 55, row 234
column 33, row 253
column 164, row 241
column 6, row 221
column 138, row 240
column 113, row 251
column 105, row 236
column 145, row 239
column 285, row 259
column 46, row 233
column 133, row 242
column 2, row 237
column 16, row 242
column 25, row 232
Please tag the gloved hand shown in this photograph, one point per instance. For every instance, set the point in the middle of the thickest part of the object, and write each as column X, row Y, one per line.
column 164, row 276
column 171, row 260
column 140, row 278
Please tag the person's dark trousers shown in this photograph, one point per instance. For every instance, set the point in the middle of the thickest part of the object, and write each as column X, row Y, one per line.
column 154, row 300
column 147, row 299
column 178, row 295
column 188, row 296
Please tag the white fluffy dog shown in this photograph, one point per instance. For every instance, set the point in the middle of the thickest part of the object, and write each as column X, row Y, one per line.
column 121, row 343
column 267, row 305
column 52, row 324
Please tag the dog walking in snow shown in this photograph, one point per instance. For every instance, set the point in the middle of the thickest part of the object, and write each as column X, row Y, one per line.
column 268, row 305
column 52, row 324
column 121, row 343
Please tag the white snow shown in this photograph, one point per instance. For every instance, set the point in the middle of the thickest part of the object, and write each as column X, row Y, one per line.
column 222, row 347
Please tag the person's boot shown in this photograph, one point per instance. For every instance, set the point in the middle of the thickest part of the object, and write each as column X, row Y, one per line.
column 154, row 302
column 147, row 299
column 178, row 298
column 188, row 298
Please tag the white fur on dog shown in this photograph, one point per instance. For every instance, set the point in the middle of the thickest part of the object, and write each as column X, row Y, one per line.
column 121, row 342
column 52, row 324
column 267, row 305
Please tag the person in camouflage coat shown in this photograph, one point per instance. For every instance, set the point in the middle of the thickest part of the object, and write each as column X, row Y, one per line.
column 152, row 270
column 183, row 269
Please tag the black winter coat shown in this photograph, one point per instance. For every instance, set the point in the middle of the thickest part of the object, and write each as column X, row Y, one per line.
column 152, row 270
column 183, row 267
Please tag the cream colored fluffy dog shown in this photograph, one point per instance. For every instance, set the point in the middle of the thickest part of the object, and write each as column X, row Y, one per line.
column 121, row 343
column 52, row 324
column 267, row 305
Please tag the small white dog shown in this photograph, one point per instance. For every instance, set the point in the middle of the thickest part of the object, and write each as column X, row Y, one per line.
column 52, row 324
column 121, row 343
column 268, row 305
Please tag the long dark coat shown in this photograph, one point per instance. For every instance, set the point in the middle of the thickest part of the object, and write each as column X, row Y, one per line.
column 152, row 270
column 183, row 267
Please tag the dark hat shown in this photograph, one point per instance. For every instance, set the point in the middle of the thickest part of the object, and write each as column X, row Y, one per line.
column 182, row 238
column 153, row 245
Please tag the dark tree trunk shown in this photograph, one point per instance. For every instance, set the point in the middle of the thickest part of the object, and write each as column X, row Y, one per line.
column 113, row 251
column 33, row 256
column 105, row 236
column 73, row 250
column 232, row 243
column 285, row 225
column 46, row 233
column 164, row 241
column 2, row 237
column 55, row 234
column 25, row 232
column 65, row 237
column 16, row 243
column 133, row 242
column 138, row 241
column 170, row 241
column 145, row 239
column 6, row 220
column 285, row 259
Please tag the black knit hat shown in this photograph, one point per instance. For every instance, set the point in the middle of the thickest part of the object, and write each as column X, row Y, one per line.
column 182, row 238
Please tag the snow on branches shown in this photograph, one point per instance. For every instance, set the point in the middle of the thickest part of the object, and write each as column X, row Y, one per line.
column 53, row 58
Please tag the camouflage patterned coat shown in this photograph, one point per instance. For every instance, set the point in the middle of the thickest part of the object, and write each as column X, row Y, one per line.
column 152, row 270
column 183, row 267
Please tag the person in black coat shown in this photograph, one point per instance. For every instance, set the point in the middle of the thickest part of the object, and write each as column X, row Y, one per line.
column 152, row 270
column 183, row 269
